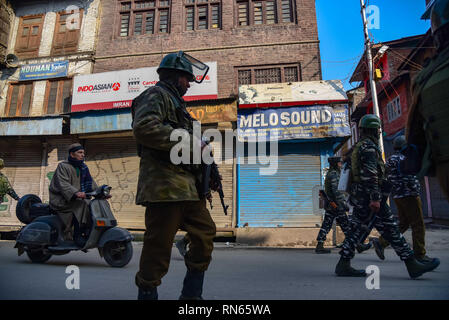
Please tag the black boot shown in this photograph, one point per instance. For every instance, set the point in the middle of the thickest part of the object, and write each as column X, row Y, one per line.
column 425, row 259
column 320, row 248
column 193, row 286
column 416, row 269
column 378, row 248
column 344, row 269
column 363, row 247
column 150, row 294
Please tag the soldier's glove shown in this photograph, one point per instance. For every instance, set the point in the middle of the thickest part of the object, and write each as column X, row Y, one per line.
column 374, row 206
column 333, row 205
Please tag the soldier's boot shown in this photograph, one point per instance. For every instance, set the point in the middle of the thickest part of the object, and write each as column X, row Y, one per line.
column 320, row 248
column 344, row 269
column 182, row 246
column 363, row 247
column 193, row 286
column 378, row 248
column 416, row 268
column 148, row 294
column 426, row 259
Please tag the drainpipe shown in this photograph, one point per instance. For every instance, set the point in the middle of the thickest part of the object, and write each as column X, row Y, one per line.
column 43, row 165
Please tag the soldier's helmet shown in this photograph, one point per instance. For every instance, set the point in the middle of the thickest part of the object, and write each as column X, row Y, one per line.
column 370, row 121
column 334, row 160
column 439, row 16
column 399, row 142
column 183, row 62
column 2, row 164
column 173, row 61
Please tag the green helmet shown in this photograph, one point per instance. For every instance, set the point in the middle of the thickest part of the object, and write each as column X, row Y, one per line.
column 439, row 15
column 399, row 142
column 370, row 121
column 173, row 61
column 2, row 164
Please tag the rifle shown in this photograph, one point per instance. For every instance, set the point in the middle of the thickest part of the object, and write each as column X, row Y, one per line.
column 211, row 180
column 327, row 201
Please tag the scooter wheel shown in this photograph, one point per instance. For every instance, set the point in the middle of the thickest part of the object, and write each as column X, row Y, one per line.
column 118, row 254
column 38, row 256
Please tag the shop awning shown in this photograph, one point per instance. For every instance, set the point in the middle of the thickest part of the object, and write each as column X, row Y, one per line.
column 31, row 126
column 100, row 121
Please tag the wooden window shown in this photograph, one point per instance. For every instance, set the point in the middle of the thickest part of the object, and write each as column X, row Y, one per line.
column 4, row 28
column 67, row 33
column 144, row 17
column 243, row 14
column 58, row 96
column 202, row 14
column 268, row 74
column 261, row 12
column 29, row 36
column 19, row 100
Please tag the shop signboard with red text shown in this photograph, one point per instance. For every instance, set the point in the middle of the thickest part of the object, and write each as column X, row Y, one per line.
column 117, row 89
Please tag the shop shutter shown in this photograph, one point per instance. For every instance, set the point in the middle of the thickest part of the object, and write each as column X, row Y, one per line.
column 23, row 158
column 285, row 198
column 114, row 161
column 226, row 170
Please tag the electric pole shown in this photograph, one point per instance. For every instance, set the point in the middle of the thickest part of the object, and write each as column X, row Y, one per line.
column 371, row 73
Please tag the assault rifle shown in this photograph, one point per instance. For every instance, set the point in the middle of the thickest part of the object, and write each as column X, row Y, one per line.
column 327, row 201
column 211, row 180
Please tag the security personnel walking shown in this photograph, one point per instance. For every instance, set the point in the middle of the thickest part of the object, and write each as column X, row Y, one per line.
column 405, row 193
column 336, row 208
column 168, row 191
column 368, row 195
column 427, row 125
column 5, row 186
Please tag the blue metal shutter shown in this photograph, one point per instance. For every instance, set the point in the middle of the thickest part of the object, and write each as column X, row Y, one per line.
column 283, row 199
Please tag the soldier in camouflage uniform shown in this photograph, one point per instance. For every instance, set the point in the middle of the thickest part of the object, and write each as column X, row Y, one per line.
column 5, row 186
column 427, row 124
column 405, row 192
column 336, row 209
column 367, row 195
column 168, row 191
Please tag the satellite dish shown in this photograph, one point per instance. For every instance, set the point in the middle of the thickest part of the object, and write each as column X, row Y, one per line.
column 12, row 61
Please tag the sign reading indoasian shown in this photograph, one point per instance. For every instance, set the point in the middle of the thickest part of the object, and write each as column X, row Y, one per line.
column 307, row 122
column 44, row 70
column 117, row 89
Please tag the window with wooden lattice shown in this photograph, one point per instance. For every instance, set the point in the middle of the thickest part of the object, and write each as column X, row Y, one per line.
column 18, row 103
column 58, row 96
column 264, row 12
column 202, row 14
column 268, row 74
column 29, row 36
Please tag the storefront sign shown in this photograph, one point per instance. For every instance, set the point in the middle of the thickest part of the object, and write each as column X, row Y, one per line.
column 44, row 70
column 117, row 89
column 291, row 94
column 214, row 114
column 308, row 122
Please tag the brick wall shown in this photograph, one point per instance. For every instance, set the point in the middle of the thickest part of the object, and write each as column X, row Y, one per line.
column 231, row 46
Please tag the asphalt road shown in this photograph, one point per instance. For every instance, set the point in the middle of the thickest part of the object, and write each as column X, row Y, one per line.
column 236, row 273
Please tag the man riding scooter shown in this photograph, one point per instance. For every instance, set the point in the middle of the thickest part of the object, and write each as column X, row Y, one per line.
column 68, row 188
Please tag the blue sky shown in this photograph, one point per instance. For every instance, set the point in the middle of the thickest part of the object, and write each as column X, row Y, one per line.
column 340, row 31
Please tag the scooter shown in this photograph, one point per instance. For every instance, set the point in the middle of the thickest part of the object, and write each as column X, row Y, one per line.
column 42, row 236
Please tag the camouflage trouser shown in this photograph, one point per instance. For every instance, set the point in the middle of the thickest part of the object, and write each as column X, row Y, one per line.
column 162, row 221
column 410, row 215
column 329, row 216
column 387, row 226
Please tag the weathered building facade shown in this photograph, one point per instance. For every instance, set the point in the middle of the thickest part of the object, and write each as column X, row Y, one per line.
column 48, row 44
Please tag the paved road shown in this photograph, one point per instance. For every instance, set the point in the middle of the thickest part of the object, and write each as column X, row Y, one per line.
column 236, row 272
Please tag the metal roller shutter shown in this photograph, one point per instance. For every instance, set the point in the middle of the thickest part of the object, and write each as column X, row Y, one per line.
column 23, row 158
column 114, row 161
column 285, row 198
column 226, row 170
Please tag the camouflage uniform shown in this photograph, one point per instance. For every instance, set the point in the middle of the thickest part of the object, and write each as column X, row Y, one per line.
column 405, row 193
column 368, row 171
column 5, row 188
column 331, row 189
column 168, row 191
